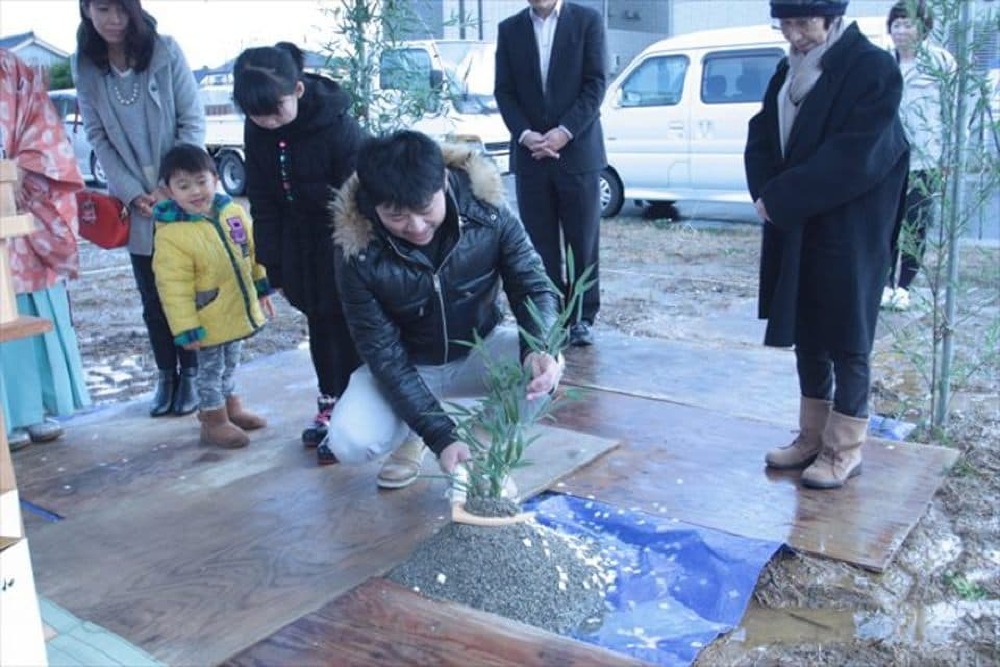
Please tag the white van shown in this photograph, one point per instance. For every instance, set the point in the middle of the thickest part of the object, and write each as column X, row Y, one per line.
column 468, row 112
column 675, row 119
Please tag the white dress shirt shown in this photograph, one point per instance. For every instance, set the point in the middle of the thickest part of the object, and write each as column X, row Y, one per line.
column 545, row 31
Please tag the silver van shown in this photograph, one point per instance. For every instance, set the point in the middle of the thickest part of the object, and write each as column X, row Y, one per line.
column 675, row 119
column 86, row 159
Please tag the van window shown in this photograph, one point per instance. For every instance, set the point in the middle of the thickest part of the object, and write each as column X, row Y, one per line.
column 405, row 69
column 737, row 76
column 657, row 81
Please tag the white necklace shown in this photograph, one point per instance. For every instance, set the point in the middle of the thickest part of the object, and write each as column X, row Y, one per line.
column 133, row 95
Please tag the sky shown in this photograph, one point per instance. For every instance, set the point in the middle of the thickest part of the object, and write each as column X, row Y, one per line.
column 209, row 31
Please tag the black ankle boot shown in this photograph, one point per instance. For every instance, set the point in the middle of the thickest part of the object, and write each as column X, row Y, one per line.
column 186, row 396
column 163, row 399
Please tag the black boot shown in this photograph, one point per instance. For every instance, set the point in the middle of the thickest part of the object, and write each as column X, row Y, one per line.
column 164, row 397
column 186, row 397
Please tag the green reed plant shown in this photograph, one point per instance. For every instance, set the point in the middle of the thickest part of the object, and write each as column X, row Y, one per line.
column 497, row 427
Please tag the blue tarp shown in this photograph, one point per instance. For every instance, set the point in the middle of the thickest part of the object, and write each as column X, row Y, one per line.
column 678, row 585
column 887, row 428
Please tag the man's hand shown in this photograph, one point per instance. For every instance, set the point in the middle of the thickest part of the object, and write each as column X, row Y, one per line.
column 455, row 453
column 192, row 346
column 538, row 145
column 532, row 139
column 546, row 371
column 556, row 139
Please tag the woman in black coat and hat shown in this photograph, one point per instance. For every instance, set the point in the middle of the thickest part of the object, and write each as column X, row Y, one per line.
column 826, row 162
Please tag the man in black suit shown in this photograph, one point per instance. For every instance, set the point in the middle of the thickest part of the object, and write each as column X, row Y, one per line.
column 550, row 81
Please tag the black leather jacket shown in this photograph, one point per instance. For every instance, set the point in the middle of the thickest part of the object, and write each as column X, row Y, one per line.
column 402, row 313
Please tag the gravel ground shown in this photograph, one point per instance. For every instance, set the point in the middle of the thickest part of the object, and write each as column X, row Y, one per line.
column 525, row 572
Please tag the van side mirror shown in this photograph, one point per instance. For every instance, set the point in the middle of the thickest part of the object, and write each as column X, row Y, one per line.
column 436, row 79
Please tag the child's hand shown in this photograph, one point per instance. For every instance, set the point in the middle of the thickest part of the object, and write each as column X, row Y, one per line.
column 144, row 205
column 159, row 194
column 267, row 306
column 193, row 346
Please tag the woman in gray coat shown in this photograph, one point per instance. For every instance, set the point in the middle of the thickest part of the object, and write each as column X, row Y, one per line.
column 138, row 100
column 826, row 162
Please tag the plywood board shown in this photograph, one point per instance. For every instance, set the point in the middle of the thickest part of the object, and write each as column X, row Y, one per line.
column 707, row 469
column 752, row 382
column 556, row 453
column 382, row 623
column 194, row 553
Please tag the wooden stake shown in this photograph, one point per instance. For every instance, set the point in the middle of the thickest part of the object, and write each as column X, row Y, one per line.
column 12, row 224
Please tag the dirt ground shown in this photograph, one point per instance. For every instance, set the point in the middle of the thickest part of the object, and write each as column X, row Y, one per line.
column 937, row 604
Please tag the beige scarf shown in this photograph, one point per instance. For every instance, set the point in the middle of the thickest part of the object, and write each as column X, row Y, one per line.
column 803, row 72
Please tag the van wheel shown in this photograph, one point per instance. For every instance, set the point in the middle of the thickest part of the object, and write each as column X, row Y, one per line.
column 97, row 171
column 612, row 196
column 233, row 174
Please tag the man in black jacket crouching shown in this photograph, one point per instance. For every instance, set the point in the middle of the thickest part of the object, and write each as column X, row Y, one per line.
column 424, row 241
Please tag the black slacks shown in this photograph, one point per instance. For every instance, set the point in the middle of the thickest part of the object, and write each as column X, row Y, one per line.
column 558, row 208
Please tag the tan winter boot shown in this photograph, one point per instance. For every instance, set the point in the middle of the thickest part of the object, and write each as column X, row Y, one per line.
column 247, row 421
column 403, row 466
column 216, row 429
column 813, row 413
column 840, row 458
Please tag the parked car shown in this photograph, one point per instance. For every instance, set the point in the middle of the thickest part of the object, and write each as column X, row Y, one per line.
column 675, row 119
column 86, row 158
column 468, row 111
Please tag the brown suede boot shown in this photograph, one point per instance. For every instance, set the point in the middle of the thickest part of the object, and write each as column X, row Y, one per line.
column 813, row 413
column 403, row 466
column 840, row 458
column 247, row 421
column 216, row 429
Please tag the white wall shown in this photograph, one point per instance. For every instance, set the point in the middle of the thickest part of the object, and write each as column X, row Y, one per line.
column 494, row 11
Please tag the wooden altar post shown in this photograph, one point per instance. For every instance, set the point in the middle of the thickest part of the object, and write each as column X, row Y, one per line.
column 12, row 224
column 21, row 638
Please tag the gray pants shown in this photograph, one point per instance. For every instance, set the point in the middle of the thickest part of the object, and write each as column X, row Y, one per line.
column 364, row 426
column 216, row 367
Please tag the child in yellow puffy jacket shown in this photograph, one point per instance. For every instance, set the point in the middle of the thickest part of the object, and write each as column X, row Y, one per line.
column 213, row 291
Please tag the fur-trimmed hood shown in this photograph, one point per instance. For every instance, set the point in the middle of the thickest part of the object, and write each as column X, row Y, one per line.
column 353, row 230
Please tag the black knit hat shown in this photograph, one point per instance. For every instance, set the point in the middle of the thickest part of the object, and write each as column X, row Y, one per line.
column 789, row 9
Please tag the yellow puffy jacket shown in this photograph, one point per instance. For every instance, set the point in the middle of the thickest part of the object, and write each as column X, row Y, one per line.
column 206, row 273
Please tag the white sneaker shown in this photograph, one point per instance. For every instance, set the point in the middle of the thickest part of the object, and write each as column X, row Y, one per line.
column 887, row 294
column 901, row 299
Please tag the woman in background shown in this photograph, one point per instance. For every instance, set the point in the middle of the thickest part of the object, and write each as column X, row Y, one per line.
column 927, row 70
column 40, row 376
column 301, row 145
column 138, row 100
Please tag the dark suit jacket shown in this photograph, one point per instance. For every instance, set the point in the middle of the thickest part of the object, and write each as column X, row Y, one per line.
column 576, row 82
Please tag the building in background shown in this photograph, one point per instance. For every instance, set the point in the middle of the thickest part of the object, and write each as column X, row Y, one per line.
column 34, row 51
column 632, row 25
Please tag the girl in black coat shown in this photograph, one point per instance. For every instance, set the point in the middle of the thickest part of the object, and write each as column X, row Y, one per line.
column 826, row 162
column 301, row 145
